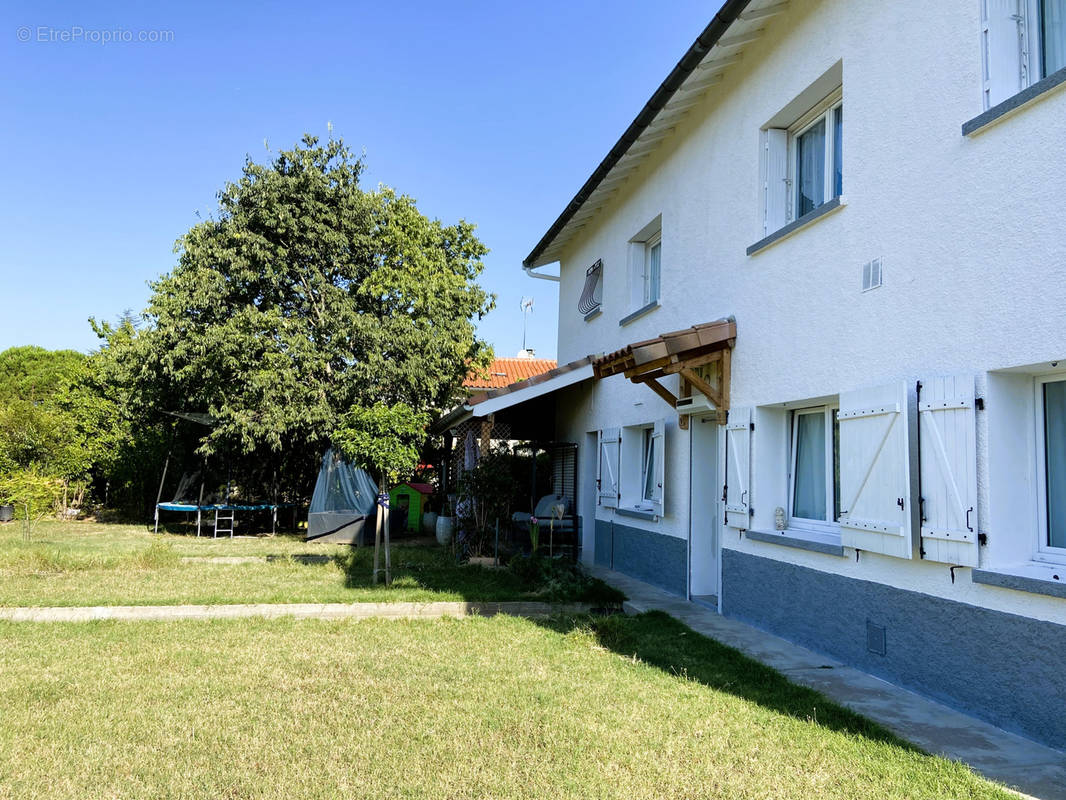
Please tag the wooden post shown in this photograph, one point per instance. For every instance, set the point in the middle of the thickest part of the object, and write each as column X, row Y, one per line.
column 377, row 536
column 727, row 368
column 159, row 494
column 388, row 554
column 682, row 419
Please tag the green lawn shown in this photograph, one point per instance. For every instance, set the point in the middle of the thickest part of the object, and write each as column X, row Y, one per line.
column 498, row 707
column 76, row 563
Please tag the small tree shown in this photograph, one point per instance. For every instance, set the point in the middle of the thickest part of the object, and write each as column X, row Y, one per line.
column 385, row 441
column 33, row 494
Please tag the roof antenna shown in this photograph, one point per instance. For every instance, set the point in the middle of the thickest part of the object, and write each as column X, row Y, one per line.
column 527, row 308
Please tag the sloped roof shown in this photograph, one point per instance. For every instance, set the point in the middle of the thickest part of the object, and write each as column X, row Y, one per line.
column 505, row 371
column 654, row 353
column 700, row 71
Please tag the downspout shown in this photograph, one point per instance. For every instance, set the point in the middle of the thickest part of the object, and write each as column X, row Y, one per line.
column 529, row 271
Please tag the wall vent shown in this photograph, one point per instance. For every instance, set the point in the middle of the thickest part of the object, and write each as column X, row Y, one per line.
column 871, row 274
column 875, row 638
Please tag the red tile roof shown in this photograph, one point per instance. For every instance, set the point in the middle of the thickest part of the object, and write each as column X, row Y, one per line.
column 505, row 371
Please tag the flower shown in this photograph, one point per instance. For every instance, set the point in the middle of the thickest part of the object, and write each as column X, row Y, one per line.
column 532, row 520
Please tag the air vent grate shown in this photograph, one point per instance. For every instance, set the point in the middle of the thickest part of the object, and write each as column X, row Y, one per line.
column 871, row 274
column 875, row 639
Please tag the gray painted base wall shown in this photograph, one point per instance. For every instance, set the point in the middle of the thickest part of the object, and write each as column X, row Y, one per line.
column 651, row 557
column 1001, row 667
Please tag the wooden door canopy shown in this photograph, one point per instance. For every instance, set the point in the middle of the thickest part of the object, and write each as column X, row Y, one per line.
column 678, row 353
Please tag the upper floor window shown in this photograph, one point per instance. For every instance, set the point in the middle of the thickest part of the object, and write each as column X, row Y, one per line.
column 803, row 164
column 1023, row 41
column 645, row 269
column 653, row 250
column 816, row 161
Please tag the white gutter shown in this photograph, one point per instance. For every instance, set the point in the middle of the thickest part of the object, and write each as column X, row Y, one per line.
column 529, row 271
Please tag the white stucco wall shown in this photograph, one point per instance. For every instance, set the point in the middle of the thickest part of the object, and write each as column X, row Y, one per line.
column 971, row 230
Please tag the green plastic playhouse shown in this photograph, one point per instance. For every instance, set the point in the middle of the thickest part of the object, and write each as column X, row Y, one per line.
column 413, row 497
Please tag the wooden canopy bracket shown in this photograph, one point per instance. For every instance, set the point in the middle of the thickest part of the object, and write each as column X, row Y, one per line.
column 660, row 390
column 708, row 391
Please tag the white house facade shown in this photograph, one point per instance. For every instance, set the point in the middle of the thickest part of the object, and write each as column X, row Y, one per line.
column 861, row 446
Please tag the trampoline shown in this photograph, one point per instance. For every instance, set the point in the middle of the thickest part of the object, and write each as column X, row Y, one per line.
column 225, row 514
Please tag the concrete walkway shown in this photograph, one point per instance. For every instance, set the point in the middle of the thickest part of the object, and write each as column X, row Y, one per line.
column 299, row 610
column 1030, row 768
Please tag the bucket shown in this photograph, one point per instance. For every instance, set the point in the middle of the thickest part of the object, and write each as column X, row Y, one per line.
column 445, row 525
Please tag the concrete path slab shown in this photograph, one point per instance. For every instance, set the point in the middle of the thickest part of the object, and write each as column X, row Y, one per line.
column 1030, row 768
column 300, row 610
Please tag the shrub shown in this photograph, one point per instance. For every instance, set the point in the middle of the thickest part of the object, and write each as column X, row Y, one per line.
column 33, row 493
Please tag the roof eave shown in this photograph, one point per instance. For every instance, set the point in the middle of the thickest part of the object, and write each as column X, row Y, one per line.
column 726, row 16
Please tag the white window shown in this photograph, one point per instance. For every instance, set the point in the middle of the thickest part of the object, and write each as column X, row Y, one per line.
column 1023, row 41
column 814, row 471
column 642, row 471
column 653, row 249
column 1051, row 466
column 816, row 159
column 645, row 265
column 651, row 490
column 804, row 163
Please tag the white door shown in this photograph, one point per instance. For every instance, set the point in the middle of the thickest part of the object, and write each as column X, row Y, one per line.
column 705, row 509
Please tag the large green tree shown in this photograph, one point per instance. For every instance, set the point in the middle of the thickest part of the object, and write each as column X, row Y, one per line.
column 58, row 427
column 306, row 297
column 52, row 417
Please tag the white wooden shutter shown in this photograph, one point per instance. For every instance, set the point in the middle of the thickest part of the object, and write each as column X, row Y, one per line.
column 738, row 468
column 658, row 437
column 607, row 477
column 948, row 462
column 1003, row 31
column 775, row 187
column 877, row 479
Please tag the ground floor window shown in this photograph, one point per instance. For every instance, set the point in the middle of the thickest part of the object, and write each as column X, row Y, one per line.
column 814, row 478
column 1051, row 401
column 649, row 480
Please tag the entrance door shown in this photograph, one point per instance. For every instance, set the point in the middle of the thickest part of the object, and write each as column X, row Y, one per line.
column 704, row 512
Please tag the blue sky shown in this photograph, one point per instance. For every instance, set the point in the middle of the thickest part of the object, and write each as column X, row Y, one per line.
column 493, row 112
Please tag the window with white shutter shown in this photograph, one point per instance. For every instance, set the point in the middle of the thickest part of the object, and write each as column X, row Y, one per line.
column 775, row 180
column 1022, row 42
column 738, row 468
column 877, row 477
column 645, row 265
column 607, row 477
column 948, row 462
column 802, row 165
column 1002, row 39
